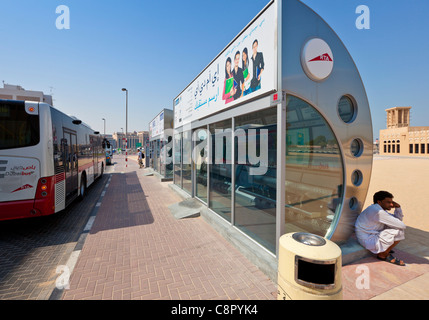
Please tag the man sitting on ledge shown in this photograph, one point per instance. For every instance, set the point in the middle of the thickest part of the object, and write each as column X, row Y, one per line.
column 378, row 230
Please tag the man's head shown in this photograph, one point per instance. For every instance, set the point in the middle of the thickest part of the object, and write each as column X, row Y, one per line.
column 255, row 46
column 384, row 199
column 237, row 58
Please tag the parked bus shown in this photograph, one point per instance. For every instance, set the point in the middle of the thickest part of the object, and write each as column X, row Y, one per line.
column 47, row 159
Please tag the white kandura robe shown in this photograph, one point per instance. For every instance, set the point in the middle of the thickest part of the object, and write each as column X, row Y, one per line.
column 377, row 229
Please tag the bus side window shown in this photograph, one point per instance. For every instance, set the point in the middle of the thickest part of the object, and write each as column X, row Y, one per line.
column 65, row 153
column 105, row 144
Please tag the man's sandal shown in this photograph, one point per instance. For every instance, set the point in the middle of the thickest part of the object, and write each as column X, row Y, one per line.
column 393, row 260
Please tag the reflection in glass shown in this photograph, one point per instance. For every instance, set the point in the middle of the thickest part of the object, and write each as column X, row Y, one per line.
column 220, row 168
column 200, row 159
column 156, row 158
column 187, row 162
column 178, row 159
column 346, row 109
column 168, row 162
column 314, row 170
column 255, row 195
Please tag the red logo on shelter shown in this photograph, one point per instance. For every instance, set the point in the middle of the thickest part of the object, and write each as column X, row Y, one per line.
column 323, row 57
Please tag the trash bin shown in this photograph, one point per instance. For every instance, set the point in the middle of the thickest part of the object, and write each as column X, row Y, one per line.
column 309, row 268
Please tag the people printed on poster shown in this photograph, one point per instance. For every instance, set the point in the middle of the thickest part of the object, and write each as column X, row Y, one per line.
column 258, row 67
column 244, row 70
column 247, row 72
column 237, row 72
column 245, row 76
column 228, row 89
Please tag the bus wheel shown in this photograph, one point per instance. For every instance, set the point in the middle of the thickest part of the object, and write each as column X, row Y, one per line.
column 82, row 187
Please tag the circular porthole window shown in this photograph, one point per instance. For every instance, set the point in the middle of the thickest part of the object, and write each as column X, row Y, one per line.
column 353, row 203
column 347, row 109
column 356, row 148
column 357, row 178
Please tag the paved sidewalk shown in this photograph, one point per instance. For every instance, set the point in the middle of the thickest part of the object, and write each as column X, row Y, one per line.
column 407, row 179
column 136, row 249
column 372, row 279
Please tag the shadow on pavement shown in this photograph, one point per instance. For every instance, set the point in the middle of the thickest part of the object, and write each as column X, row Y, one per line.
column 124, row 204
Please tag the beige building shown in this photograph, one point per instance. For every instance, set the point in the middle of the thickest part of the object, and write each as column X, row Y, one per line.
column 143, row 138
column 135, row 139
column 401, row 139
column 13, row 92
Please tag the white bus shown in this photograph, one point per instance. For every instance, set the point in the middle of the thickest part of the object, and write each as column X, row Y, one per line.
column 47, row 159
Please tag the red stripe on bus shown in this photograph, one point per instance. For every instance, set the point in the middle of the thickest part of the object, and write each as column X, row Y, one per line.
column 88, row 165
column 60, row 177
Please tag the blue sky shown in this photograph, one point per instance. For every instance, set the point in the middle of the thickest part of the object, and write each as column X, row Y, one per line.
column 156, row 48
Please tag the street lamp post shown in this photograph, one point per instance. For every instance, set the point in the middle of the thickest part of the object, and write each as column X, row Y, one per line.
column 104, row 128
column 122, row 139
column 126, row 128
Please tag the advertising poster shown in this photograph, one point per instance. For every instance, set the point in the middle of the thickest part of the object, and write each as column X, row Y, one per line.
column 156, row 126
column 245, row 69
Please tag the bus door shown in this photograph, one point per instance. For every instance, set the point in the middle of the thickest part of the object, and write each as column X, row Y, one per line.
column 71, row 164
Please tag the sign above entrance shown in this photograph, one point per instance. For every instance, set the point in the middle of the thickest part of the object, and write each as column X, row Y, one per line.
column 317, row 59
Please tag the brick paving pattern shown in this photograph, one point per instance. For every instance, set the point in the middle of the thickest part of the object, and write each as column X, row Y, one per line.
column 32, row 249
column 136, row 249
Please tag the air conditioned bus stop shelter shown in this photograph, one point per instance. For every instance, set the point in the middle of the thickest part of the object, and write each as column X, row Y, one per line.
column 275, row 134
column 160, row 134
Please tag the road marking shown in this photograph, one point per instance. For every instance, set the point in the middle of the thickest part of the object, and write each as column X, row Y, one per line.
column 89, row 224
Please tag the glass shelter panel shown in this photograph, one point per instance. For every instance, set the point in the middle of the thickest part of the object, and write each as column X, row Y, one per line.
column 220, row 168
column 155, row 160
column 314, row 170
column 168, row 161
column 200, row 162
column 178, row 159
column 187, row 162
column 255, row 176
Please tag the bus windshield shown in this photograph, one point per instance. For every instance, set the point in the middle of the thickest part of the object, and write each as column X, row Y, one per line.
column 18, row 128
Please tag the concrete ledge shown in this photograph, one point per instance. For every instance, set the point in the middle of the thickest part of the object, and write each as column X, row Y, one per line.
column 150, row 172
column 189, row 208
column 352, row 251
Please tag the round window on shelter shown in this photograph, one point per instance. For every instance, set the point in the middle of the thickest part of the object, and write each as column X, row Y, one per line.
column 357, row 178
column 347, row 109
column 356, row 148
